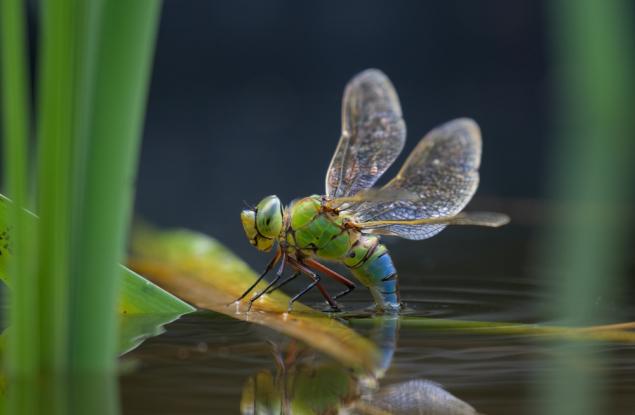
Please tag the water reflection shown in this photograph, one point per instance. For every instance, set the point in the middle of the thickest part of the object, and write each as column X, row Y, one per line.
column 306, row 383
column 64, row 395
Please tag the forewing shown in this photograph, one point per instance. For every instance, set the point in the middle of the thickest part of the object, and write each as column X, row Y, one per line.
column 373, row 134
column 442, row 172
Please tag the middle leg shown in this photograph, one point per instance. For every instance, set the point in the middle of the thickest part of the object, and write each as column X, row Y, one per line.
column 316, row 282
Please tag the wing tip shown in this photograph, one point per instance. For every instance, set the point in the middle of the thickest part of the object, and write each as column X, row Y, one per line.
column 375, row 78
column 371, row 73
column 502, row 220
column 463, row 124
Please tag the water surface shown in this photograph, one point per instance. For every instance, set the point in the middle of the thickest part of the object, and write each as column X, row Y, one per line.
column 206, row 363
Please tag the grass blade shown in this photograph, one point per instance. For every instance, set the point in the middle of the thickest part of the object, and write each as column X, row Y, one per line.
column 23, row 345
column 57, row 74
column 125, row 46
column 585, row 248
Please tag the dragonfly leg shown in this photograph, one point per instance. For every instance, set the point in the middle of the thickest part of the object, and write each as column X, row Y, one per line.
column 283, row 282
column 279, row 273
column 350, row 285
column 270, row 265
column 316, row 281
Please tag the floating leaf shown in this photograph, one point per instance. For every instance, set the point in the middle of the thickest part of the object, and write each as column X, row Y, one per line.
column 200, row 270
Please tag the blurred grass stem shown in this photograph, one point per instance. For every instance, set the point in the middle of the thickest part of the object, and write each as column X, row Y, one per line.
column 592, row 170
column 114, row 112
column 93, row 74
column 23, row 311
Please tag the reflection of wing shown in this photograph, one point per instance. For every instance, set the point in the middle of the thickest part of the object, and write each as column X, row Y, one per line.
column 417, row 396
column 442, row 171
column 373, row 134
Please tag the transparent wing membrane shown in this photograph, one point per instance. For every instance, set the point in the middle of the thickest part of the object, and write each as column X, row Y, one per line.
column 491, row 219
column 442, row 172
column 373, row 135
column 372, row 195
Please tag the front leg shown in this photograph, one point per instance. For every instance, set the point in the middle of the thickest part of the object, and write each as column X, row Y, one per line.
column 270, row 265
column 268, row 288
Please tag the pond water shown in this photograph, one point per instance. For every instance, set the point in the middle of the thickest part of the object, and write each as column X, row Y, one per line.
column 207, row 363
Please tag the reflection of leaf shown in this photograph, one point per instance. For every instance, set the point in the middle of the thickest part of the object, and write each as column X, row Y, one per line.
column 135, row 328
column 203, row 272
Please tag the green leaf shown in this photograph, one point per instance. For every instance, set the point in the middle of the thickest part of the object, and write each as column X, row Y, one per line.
column 140, row 296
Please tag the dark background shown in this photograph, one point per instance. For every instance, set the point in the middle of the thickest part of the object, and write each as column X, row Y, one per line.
column 245, row 97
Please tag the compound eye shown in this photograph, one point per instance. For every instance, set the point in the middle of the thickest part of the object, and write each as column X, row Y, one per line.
column 269, row 217
column 248, row 219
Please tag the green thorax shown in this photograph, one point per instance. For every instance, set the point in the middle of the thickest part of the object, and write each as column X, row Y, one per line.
column 314, row 230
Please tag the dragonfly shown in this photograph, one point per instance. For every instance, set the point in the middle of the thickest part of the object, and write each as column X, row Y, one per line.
column 345, row 224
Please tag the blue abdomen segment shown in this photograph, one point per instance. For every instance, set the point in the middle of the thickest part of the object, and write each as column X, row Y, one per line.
column 378, row 273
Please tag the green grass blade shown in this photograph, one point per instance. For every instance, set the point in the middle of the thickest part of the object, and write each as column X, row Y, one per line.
column 23, row 314
column 585, row 249
column 23, row 346
column 125, row 45
column 56, row 110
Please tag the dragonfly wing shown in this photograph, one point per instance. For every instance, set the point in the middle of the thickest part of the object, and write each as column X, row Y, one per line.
column 442, row 172
column 491, row 219
column 373, row 134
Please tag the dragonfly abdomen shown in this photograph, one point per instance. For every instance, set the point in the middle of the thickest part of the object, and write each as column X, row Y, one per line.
column 372, row 265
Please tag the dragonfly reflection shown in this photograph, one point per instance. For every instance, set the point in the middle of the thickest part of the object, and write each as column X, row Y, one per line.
column 303, row 383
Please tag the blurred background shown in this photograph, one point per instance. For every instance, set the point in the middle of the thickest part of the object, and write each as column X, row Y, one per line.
column 245, row 97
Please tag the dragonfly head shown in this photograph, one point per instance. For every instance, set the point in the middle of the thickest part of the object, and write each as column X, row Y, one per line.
column 264, row 223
